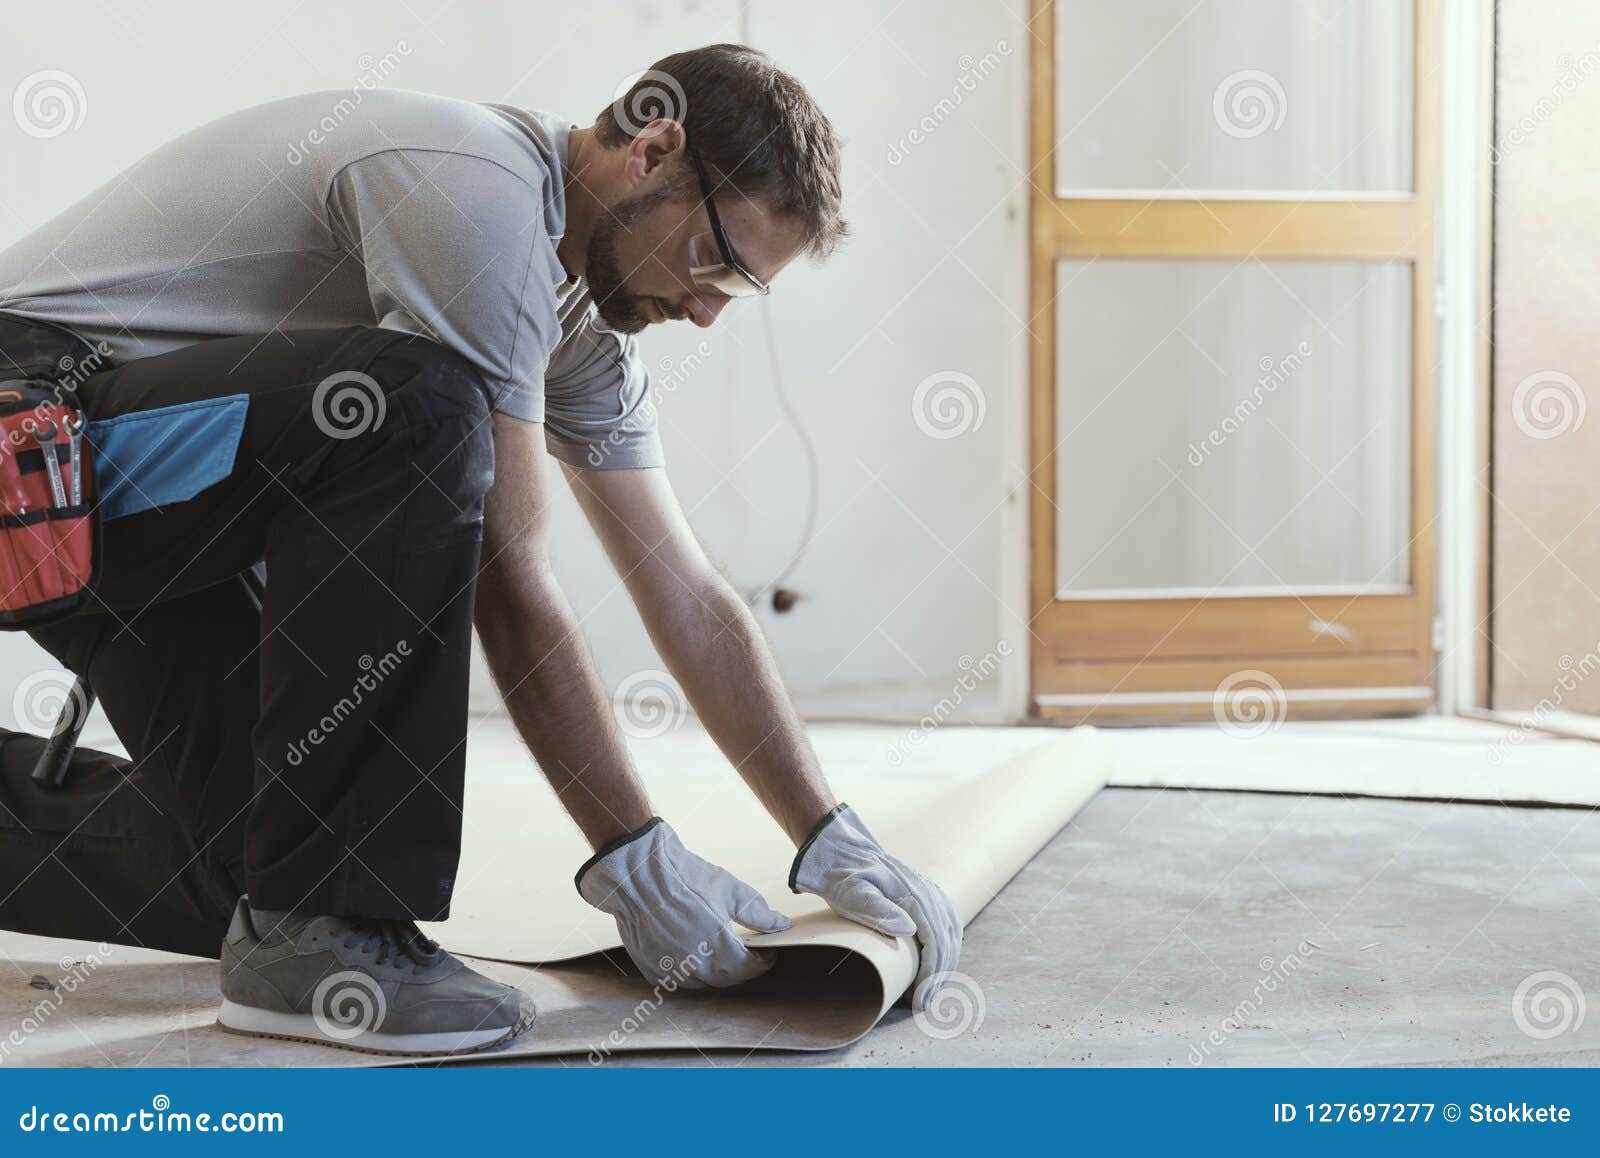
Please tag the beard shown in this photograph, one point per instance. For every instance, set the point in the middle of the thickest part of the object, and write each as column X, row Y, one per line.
column 619, row 308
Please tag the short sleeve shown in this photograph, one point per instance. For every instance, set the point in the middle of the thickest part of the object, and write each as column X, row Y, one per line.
column 458, row 245
column 600, row 411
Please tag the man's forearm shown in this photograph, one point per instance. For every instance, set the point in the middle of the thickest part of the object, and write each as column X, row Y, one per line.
column 715, row 649
column 542, row 667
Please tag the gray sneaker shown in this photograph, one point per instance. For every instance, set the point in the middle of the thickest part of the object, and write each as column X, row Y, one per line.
column 379, row 986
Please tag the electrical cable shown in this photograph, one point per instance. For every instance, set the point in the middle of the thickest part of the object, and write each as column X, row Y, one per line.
column 813, row 464
column 791, row 415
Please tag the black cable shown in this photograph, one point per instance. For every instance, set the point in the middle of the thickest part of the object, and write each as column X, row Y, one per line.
column 813, row 463
column 786, row 404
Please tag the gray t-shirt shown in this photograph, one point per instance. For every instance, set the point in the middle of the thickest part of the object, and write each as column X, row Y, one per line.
column 415, row 212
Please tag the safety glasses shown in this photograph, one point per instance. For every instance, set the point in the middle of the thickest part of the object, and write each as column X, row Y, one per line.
column 712, row 265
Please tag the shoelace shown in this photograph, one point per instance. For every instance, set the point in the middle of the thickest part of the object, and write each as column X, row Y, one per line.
column 392, row 938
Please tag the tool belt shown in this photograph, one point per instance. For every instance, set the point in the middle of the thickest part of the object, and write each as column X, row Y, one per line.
column 49, row 524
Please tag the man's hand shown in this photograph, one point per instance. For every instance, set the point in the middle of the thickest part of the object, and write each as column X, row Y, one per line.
column 712, row 644
column 844, row 865
column 673, row 909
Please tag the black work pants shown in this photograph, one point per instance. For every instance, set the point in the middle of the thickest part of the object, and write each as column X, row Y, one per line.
column 306, row 747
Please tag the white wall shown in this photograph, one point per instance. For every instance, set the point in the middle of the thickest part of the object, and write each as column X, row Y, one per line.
column 919, row 557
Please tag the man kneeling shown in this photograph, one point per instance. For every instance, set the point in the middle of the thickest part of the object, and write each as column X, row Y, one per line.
column 345, row 356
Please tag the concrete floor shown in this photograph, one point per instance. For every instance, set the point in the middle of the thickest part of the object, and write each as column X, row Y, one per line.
column 1185, row 927
column 1174, row 927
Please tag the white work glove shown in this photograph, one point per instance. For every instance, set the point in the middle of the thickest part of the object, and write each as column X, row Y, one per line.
column 672, row 910
column 843, row 864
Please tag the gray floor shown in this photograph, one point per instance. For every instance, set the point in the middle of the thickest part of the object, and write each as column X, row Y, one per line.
column 1215, row 928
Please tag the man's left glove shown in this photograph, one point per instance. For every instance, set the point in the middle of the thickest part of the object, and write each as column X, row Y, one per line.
column 673, row 908
column 843, row 864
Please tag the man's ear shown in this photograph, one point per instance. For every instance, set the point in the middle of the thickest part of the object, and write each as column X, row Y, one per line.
column 651, row 152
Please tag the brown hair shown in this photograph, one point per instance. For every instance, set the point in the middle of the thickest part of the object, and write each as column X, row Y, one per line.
column 753, row 125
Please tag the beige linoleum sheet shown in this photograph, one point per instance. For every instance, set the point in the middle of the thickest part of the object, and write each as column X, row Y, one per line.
column 516, row 908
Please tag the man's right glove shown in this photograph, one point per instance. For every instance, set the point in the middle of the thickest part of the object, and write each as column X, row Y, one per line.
column 843, row 864
column 673, row 909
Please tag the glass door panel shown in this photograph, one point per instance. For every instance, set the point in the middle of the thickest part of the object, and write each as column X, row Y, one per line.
column 1296, row 98
column 1232, row 427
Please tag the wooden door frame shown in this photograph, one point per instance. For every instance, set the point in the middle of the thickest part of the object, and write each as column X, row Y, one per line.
column 1091, row 659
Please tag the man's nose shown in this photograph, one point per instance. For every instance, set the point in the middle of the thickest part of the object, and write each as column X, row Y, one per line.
column 702, row 312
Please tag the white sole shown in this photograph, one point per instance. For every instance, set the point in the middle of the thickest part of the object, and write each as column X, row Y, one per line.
column 246, row 1019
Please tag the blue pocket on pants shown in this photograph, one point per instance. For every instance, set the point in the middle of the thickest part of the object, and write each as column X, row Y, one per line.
column 154, row 457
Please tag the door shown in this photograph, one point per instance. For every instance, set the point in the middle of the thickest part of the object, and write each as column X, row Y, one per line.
column 1232, row 280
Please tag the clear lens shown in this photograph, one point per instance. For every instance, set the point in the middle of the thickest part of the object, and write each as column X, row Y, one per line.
column 710, row 272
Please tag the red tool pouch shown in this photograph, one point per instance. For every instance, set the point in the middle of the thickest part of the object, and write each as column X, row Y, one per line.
column 49, row 531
